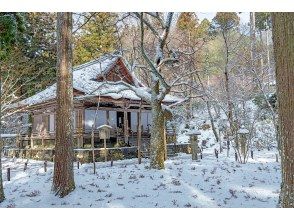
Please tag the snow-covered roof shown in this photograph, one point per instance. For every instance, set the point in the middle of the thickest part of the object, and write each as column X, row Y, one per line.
column 243, row 131
column 85, row 81
column 193, row 132
column 104, row 126
column 8, row 135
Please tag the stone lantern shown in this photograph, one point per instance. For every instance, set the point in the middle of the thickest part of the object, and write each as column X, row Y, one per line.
column 104, row 133
column 243, row 136
column 194, row 143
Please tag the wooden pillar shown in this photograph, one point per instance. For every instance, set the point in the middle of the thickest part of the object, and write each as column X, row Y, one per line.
column 80, row 127
column 105, row 150
column 32, row 142
column 42, row 141
column 17, row 141
column 93, row 151
column 139, row 132
column 107, row 117
column 126, row 126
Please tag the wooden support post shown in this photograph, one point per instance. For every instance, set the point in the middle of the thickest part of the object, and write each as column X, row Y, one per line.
column 126, row 126
column 32, row 142
column 139, row 132
column 105, row 149
column 93, row 151
column 174, row 138
column 45, row 166
column 8, row 174
column 82, row 140
column 25, row 166
column 78, row 139
column 111, row 163
column 80, row 127
column 107, row 117
column 17, row 141
column 43, row 141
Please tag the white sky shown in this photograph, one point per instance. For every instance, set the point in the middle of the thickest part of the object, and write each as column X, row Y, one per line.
column 244, row 16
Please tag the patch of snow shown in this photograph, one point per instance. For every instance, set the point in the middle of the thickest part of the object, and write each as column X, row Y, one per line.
column 210, row 182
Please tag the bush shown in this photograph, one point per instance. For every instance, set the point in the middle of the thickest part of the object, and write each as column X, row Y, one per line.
column 116, row 155
column 205, row 127
column 261, row 103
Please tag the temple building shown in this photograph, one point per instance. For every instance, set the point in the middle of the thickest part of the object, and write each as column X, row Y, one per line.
column 94, row 106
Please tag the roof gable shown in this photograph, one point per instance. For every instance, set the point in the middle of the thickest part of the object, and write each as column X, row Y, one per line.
column 88, row 77
column 118, row 72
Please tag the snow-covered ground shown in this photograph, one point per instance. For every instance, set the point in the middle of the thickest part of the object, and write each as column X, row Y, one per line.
column 183, row 183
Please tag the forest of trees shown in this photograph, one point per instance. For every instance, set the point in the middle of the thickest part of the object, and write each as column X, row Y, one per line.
column 221, row 64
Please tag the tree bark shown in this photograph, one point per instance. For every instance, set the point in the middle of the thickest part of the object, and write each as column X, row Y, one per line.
column 63, row 179
column 227, row 86
column 157, row 141
column 2, row 196
column 217, row 138
column 139, row 132
column 283, row 38
column 157, row 131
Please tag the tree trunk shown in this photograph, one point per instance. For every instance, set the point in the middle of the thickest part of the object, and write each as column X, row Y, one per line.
column 268, row 52
column 283, row 32
column 217, row 138
column 252, row 36
column 227, row 87
column 157, row 131
column 2, row 197
column 261, row 57
column 63, row 179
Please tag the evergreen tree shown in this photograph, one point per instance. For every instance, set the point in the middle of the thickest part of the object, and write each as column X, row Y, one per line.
column 2, row 196
column 33, row 54
column 11, row 32
column 263, row 20
column 97, row 36
column 63, row 178
column 283, row 32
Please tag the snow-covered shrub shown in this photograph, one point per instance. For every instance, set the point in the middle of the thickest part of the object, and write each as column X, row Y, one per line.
column 265, row 136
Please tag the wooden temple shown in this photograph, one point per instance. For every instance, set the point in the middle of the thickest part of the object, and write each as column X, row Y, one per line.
column 127, row 114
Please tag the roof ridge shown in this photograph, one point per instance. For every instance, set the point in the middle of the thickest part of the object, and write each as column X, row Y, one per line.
column 99, row 60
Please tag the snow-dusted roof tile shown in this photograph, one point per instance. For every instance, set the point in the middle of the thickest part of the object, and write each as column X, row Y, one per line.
column 84, row 80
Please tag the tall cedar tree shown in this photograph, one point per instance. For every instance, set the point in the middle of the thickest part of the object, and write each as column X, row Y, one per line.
column 63, row 179
column 283, row 32
column 28, row 44
column 11, row 29
column 2, row 196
